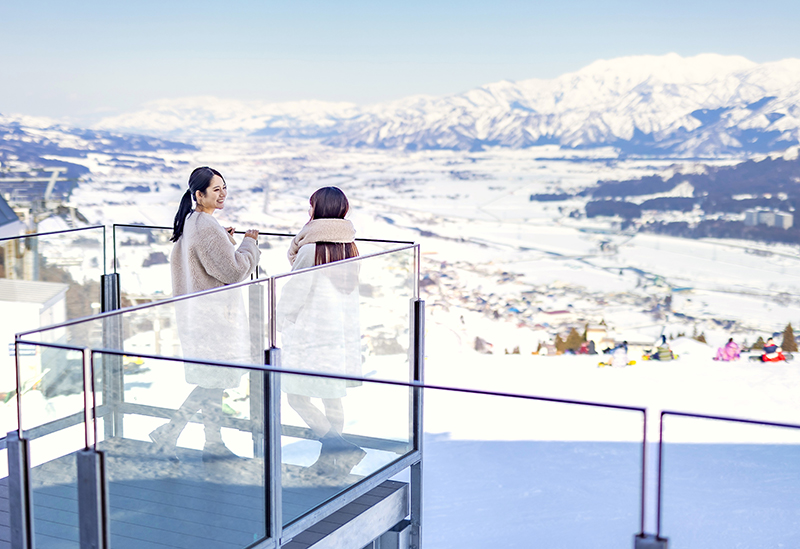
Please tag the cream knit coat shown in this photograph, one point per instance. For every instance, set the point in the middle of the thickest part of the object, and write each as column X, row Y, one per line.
column 212, row 327
column 205, row 256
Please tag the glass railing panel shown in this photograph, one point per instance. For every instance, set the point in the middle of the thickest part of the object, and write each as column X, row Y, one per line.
column 142, row 262
column 231, row 324
column 181, row 457
column 274, row 248
column 514, row 473
column 729, row 484
column 362, row 307
column 227, row 325
column 44, row 280
column 335, row 433
column 273, row 254
column 52, row 420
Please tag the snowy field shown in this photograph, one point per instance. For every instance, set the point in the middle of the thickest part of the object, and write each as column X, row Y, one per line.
column 514, row 273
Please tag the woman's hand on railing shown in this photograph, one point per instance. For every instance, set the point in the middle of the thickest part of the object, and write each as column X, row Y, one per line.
column 252, row 233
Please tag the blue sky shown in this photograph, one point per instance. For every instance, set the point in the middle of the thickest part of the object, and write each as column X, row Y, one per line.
column 82, row 60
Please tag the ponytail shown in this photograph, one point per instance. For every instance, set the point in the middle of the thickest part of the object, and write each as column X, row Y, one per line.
column 198, row 181
column 184, row 210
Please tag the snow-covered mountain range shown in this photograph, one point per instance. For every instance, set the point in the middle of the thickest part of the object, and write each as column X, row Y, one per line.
column 28, row 142
column 705, row 105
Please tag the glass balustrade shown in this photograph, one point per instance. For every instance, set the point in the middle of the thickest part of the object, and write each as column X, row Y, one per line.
column 188, row 467
column 335, row 433
column 45, row 279
column 359, row 309
column 184, row 460
column 142, row 254
column 148, row 379
column 502, row 471
column 53, row 423
column 729, row 484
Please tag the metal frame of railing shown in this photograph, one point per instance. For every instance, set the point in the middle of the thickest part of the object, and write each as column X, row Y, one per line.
column 65, row 231
column 55, row 233
column 407, row 460
column 270, row 371
column 274, row 432
column 660, row 466
column 124, row 226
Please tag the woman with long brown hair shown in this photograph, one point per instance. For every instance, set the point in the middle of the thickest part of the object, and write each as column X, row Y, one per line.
column 319, row 325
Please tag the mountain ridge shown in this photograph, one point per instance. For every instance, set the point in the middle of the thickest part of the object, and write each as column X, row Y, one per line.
column 707, row 105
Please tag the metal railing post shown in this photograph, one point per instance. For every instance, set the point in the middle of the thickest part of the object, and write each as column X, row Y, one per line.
column 257, row 326
column 418, row 376
column 113, row 382
column 92, row 500
column 93, row 517
column 272, row 412
column 272, row 395
column 19, row 486
column 19, row 492
column 643, row 540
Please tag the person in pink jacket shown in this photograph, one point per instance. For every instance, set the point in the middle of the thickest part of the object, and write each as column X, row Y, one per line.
column 728, row 352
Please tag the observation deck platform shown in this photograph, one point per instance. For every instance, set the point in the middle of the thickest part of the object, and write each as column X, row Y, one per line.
column 156, row 502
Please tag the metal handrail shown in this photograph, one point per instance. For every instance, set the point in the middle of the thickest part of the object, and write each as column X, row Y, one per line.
column 31, row 235
column 358, row 239
column 309, row 373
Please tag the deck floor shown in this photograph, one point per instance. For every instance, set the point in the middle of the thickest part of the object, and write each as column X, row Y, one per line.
column 157, row 503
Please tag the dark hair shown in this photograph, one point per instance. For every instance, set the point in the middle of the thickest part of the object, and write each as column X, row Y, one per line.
column 199, row 180
column 331, row 203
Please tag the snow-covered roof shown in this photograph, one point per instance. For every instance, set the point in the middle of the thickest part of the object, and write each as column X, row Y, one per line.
column 27, row 291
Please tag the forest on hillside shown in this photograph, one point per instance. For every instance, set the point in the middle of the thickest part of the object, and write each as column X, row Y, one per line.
column 772, row 184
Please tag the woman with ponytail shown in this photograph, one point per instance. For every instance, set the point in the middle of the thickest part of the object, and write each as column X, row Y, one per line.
column 319, row 325
column 213, row 327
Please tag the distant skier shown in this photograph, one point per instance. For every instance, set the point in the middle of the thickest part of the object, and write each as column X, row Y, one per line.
column 771, row 352
column 663, row 352
column 619, row 356
column 729, row 352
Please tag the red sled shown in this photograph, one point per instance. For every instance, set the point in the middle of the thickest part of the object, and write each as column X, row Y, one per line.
column 773, row 357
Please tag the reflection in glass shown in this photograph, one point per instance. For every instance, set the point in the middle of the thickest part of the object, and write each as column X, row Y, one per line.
column 44, row 280
column 318, row 316
column 215, row 328
column 188, row 494
column 377, row 422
